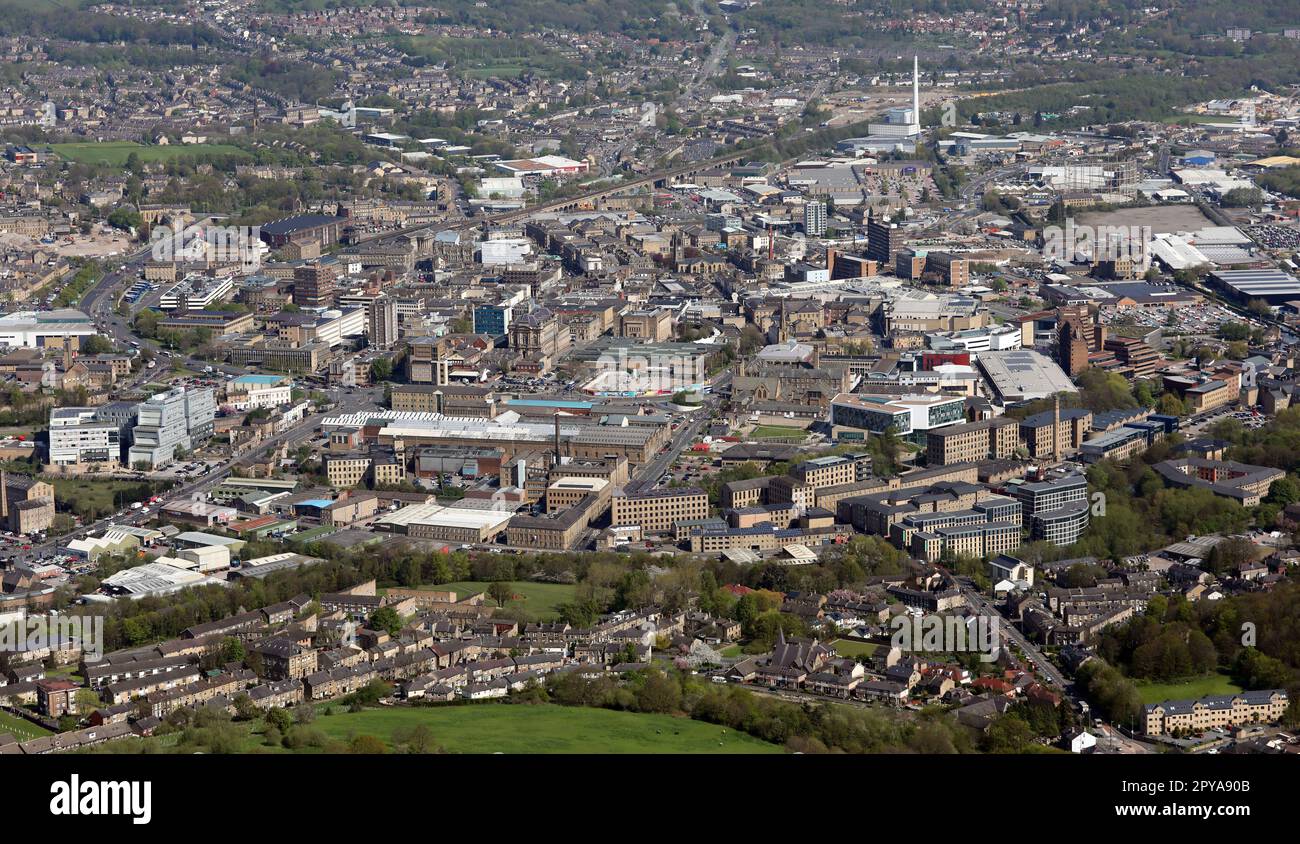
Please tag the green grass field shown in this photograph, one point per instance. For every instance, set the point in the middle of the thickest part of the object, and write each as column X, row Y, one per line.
column 1214, row 684
column 481, row 728
column 20, row 728
column 115, row 153
column 766, row 432
column 845, row 647
column 98, row 498
column 544, row 728
column 539, row 599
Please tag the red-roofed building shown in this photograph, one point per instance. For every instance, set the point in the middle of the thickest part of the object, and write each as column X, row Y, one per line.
column 56, row 698
column 1039, row 694
column 254, row 524
column 993, row 685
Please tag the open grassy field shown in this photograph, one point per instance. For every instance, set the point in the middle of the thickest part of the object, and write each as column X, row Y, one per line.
column 765, row 432
column 479, row 728
column 20, row 728
column 96, row 498
column 115, row 153
column 845, row 647
column 540, row 599
column 1214, row 684
column 544, row 728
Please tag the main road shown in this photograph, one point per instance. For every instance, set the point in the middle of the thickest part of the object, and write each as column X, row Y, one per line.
column 648, row 475
column 1040, row 663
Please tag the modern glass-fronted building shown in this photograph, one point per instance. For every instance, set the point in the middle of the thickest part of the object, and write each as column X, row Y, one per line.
column 909, row 416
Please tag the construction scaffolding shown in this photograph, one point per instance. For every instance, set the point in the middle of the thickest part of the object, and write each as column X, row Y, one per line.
column 1116, row 174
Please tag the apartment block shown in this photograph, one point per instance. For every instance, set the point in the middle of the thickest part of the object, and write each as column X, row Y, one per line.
column 988, row 439
column 830, row 471
column 1045, row 434
column 656, row 510
column 1215, row 712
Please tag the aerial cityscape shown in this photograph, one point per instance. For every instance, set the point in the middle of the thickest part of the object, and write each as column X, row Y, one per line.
column 650, row 377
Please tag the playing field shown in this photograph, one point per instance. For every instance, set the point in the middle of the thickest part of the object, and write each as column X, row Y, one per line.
column 544, row 728
column 770, row 432
column 539, row 599
column 115, row 153
column 845, row 647
column 20, row 728
column 1215, row 684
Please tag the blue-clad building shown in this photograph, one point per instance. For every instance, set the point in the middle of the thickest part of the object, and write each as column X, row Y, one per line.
column 493, row 320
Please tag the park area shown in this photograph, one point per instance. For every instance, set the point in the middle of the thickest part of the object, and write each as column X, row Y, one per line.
column 115, row 153
column 1213, row 684
column 20, row 728
column 471, row 728
column 541, row 600
column 544, row 728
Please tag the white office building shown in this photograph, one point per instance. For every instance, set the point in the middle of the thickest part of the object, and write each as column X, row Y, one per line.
column 993, row 338
column 335, row 325
column 248, row 392
column 76, row 438
column 196, row 292
column 176, row 419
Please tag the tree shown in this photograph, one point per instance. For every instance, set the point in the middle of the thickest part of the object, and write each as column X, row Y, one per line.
column 386, row 619
column 381, row 370
column 1260, row 308
column 417, row 739
column 1284, row 491
column 1230, row 554
column 278, row 718
column 96, row 344
column 367, row 744
column 1255, row 670
column 1242, row 198
column 659, row 693
column 579, row 613
column 146, row 323
column 1171, row 405
column 87, row 701
column 1008, row 734
column 232, row 650
column 245, row 709
column 500, row 591
column 125, row 219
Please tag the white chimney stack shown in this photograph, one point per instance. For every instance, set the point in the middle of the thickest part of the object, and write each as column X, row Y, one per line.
column 916, row 91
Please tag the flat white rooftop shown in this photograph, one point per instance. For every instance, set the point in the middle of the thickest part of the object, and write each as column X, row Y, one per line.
column 432, row 513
